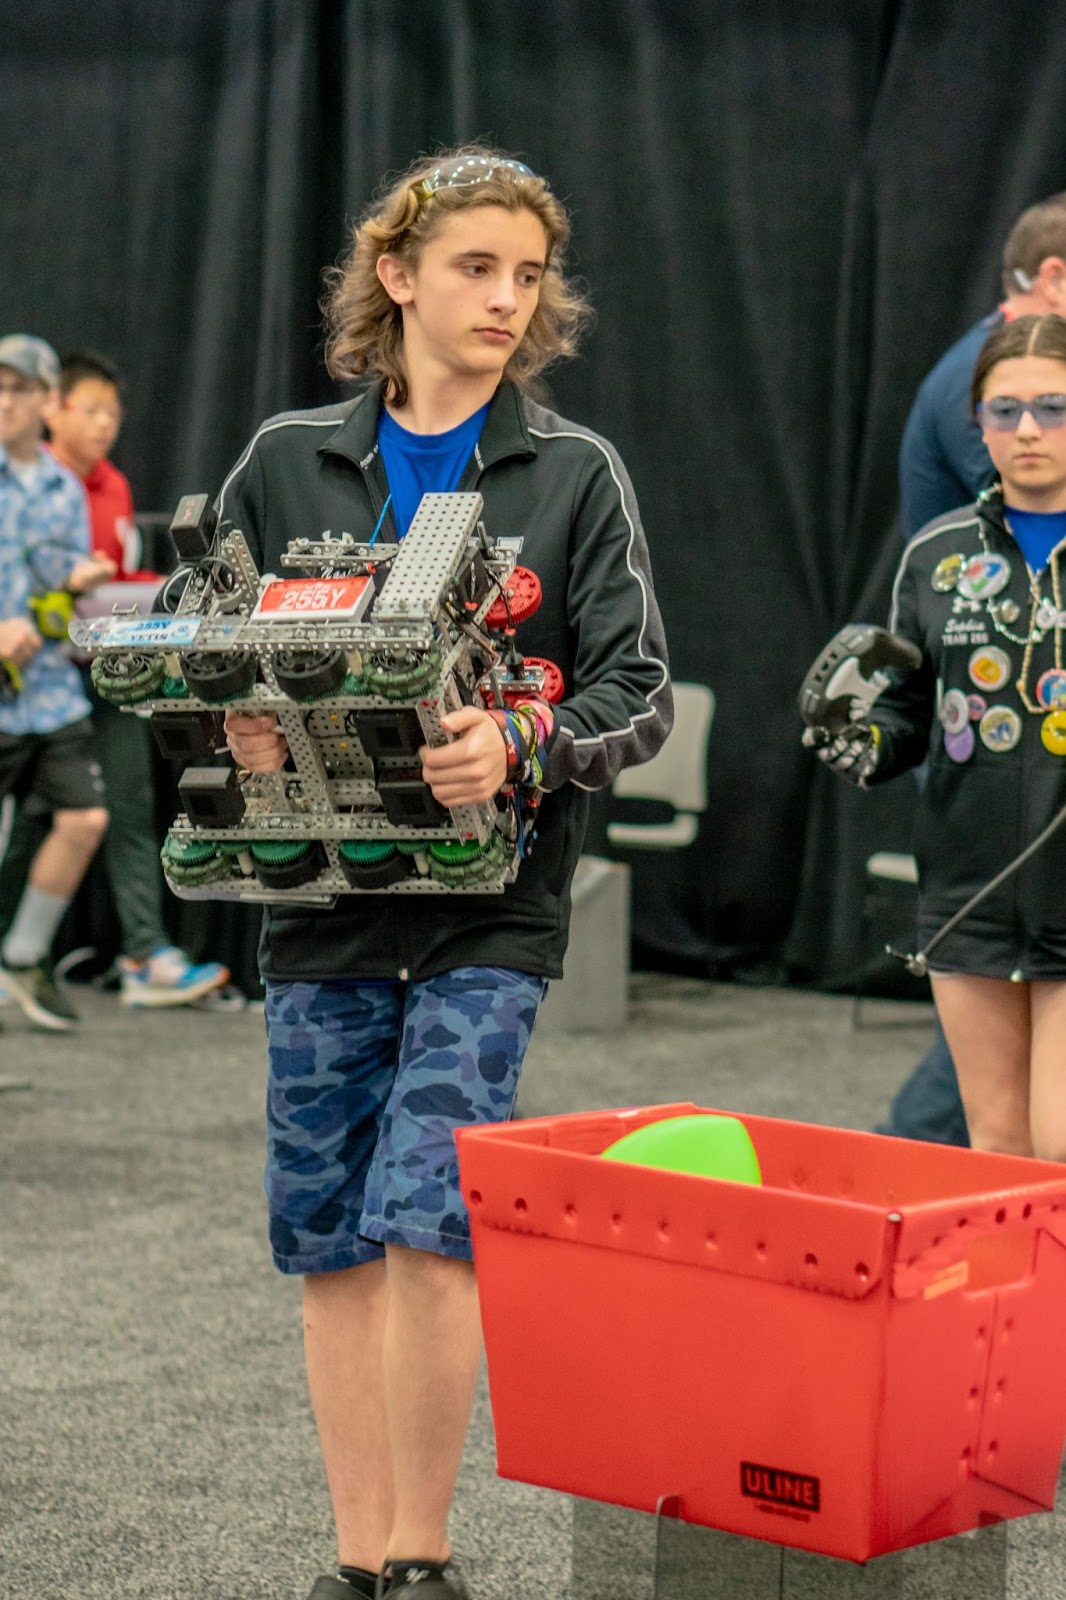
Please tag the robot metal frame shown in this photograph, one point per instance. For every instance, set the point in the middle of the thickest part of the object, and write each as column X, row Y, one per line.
column 359, row 654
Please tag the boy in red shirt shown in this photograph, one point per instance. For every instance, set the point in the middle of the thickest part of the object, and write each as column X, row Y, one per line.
column 84, row 424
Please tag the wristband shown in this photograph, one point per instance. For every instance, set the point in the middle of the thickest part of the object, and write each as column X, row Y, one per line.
column 514, row 755
column 526, row 727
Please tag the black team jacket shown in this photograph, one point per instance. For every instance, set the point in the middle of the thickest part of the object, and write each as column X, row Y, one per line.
column 991, row 789
column 563, row 491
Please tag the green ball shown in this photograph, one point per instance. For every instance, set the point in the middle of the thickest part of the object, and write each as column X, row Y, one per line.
column 708, row 1145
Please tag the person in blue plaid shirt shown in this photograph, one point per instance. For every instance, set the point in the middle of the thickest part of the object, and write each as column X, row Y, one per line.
column 45, row 724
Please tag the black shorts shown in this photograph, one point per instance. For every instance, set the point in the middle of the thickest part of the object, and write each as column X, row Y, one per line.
column 59, row 769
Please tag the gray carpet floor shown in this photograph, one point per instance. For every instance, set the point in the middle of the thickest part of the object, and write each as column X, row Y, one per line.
column 155, row 1436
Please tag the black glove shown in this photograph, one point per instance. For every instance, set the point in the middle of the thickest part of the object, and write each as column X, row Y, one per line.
column 852, row 753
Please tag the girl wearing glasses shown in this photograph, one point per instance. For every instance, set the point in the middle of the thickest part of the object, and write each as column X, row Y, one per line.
column 980, row 591
column 392, row 1020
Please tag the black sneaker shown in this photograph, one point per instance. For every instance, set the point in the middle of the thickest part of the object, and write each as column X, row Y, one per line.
column 41, row 998
column 327, row 1588
column 421, row 1580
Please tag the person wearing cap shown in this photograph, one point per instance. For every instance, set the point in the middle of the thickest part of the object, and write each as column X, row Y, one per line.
column 393, row 1020
column 944, row 464
column 45, row 719
column 83, row 424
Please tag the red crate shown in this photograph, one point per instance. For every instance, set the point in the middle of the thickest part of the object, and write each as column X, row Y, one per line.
column 863, row 1354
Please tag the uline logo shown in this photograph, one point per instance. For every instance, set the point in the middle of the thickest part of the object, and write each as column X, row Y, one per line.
column 794, row 1489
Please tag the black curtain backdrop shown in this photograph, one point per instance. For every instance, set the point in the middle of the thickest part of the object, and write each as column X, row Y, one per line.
column 785, row 213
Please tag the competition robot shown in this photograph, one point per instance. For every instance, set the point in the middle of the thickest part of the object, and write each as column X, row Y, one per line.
column 359, row 649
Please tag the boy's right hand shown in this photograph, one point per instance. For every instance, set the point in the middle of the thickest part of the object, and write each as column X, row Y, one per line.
column 256, row 743
column 19, row 640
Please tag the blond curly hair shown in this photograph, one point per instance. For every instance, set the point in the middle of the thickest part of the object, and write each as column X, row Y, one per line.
column 364, row 327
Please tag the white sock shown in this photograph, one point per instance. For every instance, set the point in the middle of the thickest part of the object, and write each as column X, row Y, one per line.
column 31, row 933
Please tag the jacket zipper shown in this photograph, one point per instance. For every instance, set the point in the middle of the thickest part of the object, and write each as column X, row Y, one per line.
column 377, row 504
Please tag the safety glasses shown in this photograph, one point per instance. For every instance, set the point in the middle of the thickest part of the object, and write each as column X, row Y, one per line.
column 462, row 171
column 1004, row 413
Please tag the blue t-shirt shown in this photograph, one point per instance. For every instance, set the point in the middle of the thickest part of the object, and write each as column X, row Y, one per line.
column 424, row 463
column 1037, row 533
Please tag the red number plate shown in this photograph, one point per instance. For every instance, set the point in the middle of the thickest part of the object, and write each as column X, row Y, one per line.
column 314, row 598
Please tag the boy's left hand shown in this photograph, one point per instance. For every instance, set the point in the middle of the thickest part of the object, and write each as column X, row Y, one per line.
column 473, row 767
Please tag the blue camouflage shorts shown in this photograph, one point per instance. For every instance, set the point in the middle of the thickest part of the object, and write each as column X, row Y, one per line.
column 368, row 1083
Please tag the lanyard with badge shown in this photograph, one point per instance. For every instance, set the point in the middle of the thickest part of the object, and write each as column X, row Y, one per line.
column 978, row 581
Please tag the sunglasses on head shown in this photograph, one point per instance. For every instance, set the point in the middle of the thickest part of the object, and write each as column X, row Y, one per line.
column 1004, row 413
column 462, row 171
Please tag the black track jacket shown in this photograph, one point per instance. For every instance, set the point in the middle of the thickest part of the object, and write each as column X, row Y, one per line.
column 563, row 491
column 979, row 811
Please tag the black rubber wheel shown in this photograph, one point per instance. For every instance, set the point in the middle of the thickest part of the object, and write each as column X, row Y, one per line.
column 218, row 674
column 288, row 866
column 372, row 866
column 310, row 674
